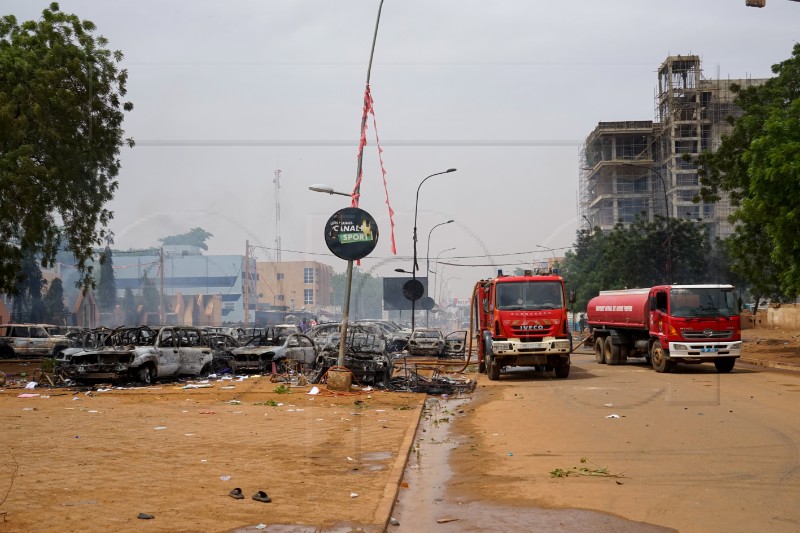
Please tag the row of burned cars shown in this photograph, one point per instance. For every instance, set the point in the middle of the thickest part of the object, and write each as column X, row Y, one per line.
column 144, row 354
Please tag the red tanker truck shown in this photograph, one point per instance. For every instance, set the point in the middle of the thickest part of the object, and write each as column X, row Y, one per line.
column 521, row 321
column 667, row 324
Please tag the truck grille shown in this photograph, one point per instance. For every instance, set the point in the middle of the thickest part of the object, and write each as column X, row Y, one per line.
column 708, row 334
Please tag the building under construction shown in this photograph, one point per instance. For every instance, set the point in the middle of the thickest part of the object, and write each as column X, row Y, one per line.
column 645, row 168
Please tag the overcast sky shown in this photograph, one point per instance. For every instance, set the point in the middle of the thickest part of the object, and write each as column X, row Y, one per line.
column 228, row 92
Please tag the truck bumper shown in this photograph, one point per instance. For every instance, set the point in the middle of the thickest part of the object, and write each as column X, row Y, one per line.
column 707, row 351
column 532, row 350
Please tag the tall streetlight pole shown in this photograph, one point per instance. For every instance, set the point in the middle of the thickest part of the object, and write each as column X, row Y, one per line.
column 416, row 266
column 354, row 196
column 428, row 263
column 441, row 289
column 549, row 249
column 666, row 211
column 436, row 262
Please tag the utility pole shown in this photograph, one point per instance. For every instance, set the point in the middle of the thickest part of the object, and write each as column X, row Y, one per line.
column 246, row 282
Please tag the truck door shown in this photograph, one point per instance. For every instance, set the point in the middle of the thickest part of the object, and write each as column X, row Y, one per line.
column 658, row 312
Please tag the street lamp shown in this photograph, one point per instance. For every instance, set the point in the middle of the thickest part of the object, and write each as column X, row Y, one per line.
column 416, row 266
column 348, row 284
column 666, row 211
column 428, row 261
column 327, row 190
column 546, row 248
column 441, row 289
column 436, row 262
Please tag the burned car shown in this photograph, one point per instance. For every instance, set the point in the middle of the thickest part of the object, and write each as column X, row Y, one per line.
column 426, row 341
column 144, row 354
column 396, row 338
column 31, row 340
column 222, row 344
column 271, row 351
column 365, row 356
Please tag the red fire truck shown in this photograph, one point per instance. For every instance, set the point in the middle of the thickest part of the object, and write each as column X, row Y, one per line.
column 667, row 324
column 521, row 321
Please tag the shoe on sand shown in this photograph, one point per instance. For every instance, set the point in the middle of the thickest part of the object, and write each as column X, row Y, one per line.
column 236, row 494
column 262, row 496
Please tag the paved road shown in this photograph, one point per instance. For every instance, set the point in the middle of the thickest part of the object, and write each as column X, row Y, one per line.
column 699, row 451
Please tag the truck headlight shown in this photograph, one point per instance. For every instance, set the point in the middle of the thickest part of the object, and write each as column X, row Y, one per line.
column 682, row 347
column 736, row 346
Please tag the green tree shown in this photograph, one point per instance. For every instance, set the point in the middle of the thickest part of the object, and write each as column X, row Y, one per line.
column 193, row 237
column 150, row 295
column 107, row 286
column 129, row 307
column 638, row 255
column 366, row 296
column 27, row 304
column 61, row 121
column 758, row 167
column 54, row 310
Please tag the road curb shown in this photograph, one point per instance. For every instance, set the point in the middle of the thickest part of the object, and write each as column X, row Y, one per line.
column 384, row 511
column 764, row 363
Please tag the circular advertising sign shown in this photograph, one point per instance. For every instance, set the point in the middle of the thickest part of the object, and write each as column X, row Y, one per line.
column 351, row 233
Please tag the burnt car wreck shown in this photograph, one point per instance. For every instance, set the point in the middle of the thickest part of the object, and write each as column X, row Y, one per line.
column 143, row 354
column 365, row 356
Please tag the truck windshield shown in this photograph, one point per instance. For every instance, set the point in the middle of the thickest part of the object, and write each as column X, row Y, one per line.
column 702, row 302
column 529, row 295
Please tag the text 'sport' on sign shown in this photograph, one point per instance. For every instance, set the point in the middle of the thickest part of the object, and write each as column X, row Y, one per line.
column 351, row 233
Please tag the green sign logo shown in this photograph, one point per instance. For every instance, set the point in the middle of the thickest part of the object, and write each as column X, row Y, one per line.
column 349, row 233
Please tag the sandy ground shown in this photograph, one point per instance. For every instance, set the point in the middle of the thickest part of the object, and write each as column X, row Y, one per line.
column 75, row 461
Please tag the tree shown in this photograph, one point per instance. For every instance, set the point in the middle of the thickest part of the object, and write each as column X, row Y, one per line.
column 193, row 237
column 61, row 121
column 27, row 306
column 53, row 301
column 107, row 286
column 129, row 307
column 758, row 167
column 636, row 255
column 150, row 295
column 366, row 296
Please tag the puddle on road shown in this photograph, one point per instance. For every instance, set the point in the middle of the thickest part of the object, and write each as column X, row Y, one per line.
column 423, row 506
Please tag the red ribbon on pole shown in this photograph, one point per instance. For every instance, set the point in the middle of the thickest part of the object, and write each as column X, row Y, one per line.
column 370, row 110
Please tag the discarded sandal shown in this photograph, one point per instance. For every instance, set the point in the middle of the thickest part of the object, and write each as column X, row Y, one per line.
column 262, row 496
column 236, row 494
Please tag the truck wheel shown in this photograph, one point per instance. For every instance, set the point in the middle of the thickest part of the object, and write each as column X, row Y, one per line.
column 611, row 352
column 599, row 355
column 492, row 368
column 562, row 371
column 658, row 357
column 724, row 364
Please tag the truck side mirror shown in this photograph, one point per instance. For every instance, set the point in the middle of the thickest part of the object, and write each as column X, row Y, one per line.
column 485, row 305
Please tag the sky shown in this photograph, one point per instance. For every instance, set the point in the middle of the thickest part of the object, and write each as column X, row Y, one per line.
column 227, row 93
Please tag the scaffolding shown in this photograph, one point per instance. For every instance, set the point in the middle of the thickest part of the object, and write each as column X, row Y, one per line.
column 648, row 168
